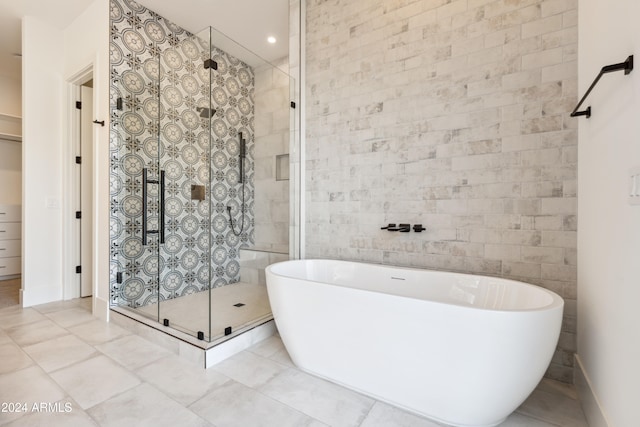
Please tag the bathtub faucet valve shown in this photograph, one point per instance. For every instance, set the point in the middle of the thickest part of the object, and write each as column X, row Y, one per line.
column 404, row 228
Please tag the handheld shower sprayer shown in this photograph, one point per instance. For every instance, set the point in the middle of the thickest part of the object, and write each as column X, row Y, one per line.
column 241, row 158
column 243, row 155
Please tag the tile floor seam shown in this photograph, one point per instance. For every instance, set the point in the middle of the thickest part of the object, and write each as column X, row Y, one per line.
column 281, row 402
column 70, row 326
column 92, row 356
column 368, row 412
column 120, row 393
column 187, row 407
column 541, row 419
column 296, row 369
column 70, row 398
column 34, row 363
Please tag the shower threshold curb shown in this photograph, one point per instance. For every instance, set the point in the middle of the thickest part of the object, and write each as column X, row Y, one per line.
column 203, row 353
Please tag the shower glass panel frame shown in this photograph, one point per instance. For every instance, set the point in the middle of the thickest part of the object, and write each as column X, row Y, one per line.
column 184, row 152
column 136, row 268
column 189, row 167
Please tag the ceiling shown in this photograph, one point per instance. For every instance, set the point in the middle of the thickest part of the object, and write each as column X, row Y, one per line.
column 247, row 22
column 59, row 13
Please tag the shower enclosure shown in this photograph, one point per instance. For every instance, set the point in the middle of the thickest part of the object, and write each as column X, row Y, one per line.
column 189, row 113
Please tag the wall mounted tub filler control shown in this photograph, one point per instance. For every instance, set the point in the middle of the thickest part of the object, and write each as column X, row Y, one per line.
column 418, row 228
column 404, row 228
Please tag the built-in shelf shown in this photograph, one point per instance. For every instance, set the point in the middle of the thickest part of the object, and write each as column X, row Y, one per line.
column 10, row 128
column 10, row 137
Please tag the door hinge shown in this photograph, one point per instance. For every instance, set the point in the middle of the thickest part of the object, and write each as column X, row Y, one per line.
column 78, row 214
column 78, row 105
column 78, row 269
column 78, row 160
column 210, row 63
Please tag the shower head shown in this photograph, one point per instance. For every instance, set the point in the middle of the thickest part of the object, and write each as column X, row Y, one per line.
column 205, row 112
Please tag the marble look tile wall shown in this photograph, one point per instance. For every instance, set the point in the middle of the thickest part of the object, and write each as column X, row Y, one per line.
column 452, row 114
column 272, row 129
column 297, row 18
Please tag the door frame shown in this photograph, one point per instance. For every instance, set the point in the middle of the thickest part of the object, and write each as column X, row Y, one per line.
column 71, row 239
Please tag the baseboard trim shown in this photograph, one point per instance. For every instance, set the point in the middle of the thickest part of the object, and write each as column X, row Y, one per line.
column 101, row 308
column 588, row 400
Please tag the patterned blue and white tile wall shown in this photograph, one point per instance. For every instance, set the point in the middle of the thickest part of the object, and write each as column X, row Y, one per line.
column 157, row 70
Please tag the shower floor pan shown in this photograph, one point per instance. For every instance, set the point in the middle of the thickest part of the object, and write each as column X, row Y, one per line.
column 243, row 306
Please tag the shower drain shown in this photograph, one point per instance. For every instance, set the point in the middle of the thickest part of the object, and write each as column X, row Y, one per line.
column 238, row 304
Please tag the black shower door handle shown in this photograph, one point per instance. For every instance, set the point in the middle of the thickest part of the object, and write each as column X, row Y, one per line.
column 144, row 206
column 162, row 181
column 145, row 183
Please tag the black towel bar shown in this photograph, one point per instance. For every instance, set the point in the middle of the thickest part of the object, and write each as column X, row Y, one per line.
column 627, row 66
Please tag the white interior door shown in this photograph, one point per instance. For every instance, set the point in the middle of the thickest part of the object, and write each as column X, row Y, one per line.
column 86, row 185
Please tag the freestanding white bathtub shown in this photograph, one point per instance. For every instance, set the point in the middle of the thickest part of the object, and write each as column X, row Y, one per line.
column 460, row 349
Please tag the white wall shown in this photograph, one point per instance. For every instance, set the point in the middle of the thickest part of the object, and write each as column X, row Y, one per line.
column 42, row 67
column 609, row 228
column 272, row 122
column 87, row 43
column 51, row 59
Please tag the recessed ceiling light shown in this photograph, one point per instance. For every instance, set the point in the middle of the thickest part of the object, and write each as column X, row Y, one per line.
column 271, row 39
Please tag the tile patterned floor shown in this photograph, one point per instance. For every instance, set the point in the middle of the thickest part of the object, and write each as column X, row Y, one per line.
column 92, row 373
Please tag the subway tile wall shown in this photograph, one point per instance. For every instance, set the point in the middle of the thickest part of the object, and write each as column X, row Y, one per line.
column 455, row 115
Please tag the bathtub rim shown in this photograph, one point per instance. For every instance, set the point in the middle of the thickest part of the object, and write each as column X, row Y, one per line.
column 557, row 302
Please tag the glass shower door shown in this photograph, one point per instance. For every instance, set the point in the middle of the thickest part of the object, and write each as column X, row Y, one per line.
column 184, row 152
column 134, row 259
column 200, row 148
